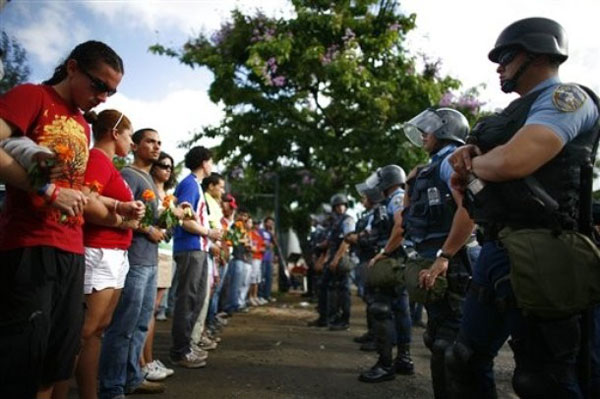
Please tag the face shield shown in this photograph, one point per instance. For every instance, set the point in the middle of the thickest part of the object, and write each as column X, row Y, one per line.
column 372, row 181
column 427, row 122
column 372, row 193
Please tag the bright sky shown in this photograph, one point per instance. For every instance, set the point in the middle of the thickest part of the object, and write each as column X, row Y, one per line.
column 159, row 92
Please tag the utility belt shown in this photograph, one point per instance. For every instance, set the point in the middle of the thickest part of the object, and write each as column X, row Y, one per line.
column 453, row 286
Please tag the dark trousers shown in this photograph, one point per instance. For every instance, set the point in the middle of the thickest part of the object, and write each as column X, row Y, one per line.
column 192, row 269
column 393, row 328
column 41, row 315
column 538, row 352
column 338, row 298
column 323, row 286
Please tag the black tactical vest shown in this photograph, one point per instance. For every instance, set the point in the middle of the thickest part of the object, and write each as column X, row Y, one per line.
column 381, row 227
column 515, row 203
column 432, row 207
column 336, row 236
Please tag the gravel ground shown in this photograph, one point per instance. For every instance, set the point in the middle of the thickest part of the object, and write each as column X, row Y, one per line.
column 269, row 353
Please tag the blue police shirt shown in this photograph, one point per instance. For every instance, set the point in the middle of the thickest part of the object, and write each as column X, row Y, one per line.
column 445, row 168
column 566, row 109
column 395, row 202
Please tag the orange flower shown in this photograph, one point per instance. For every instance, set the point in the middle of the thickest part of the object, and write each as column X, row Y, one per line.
column 94, row 186
column 148, row 195
column 64, row 152
column 168, row 200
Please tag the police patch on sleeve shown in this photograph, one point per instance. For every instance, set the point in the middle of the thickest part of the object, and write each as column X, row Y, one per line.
column 568, row 98
column 397, row 202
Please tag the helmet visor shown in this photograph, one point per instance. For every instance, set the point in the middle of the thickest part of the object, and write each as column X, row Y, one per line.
column 362, row 188
column 427, row 122
column 372, row 193
column 372, row 181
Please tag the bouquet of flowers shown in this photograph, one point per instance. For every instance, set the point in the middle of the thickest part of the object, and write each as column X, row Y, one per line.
column 148, row 197
column 236, row 234
column 167, row 218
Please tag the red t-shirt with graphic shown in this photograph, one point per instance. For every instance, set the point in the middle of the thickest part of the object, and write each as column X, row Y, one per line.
column 102, row 174
column 38, row 112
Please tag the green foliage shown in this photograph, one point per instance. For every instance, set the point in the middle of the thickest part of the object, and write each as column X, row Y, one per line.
column 14, row 58
column 316, row 100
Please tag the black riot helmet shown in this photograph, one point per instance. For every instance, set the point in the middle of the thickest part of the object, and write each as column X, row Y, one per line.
column 386, row 177
column 534, row 35
column 444, row 123
column 338, row 199
column 374, row 194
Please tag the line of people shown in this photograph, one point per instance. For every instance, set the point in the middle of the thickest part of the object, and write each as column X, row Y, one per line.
column 77, row 233
column 494, row 235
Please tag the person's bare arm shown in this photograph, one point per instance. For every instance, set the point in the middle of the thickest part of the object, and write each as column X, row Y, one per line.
column 529, row 149
column 460, row 231
column 395, row 240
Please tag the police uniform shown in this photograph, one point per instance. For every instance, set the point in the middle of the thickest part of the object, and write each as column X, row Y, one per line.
column 377, row 229
column 391, row 315
column 338, row 294
column 364, row 249
column 545, row 352
column 427, row 222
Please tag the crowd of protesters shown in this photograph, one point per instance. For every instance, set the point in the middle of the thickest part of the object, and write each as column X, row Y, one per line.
column 126, row 244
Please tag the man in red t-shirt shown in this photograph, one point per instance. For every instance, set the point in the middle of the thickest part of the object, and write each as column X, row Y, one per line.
column 41, row 239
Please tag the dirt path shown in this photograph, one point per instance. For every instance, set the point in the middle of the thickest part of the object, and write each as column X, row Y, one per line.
column 269, row 353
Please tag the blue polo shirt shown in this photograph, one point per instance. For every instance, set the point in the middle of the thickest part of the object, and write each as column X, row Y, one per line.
column 187, row 191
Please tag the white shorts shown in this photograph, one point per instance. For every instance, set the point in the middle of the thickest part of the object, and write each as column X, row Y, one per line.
column 255, row 272
column 104, row 268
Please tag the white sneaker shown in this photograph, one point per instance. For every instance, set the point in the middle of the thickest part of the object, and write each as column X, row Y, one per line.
column 161, row 366
column 207, row 344
column 201, row 353
column 262, row 301
column 253, row 302
column 153, row 373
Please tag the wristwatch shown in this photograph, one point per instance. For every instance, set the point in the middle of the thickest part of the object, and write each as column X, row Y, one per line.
column 441, row 254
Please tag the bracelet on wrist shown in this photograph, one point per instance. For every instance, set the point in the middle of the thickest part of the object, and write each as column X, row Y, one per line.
column 150, row 228
column 54, row 194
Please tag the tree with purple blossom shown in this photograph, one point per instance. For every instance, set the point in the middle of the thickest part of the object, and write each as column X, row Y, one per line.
column 315, row 100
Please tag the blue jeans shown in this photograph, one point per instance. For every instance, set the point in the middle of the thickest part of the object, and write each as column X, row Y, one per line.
column 264, row 289
column 123, row 340
column 237, row 274
column 214, row 301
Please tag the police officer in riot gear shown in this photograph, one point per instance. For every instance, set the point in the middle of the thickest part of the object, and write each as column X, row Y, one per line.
column 544, row 139
column 437, row 228
column 390, row 308
column 372, row 231
column 334, row 292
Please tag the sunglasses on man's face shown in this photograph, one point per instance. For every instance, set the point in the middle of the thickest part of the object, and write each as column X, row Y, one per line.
column 164, row 166
column 98, row 85
column 507, row 56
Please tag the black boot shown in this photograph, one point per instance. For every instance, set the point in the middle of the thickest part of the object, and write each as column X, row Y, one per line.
column 364, row 338
column 403, row 363
column 377, row 373
column 369, row 346
column 317, row 323
column 339, row 325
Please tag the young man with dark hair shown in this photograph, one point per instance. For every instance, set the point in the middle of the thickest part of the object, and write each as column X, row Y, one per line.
column 190, row 251
column 120, row 371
